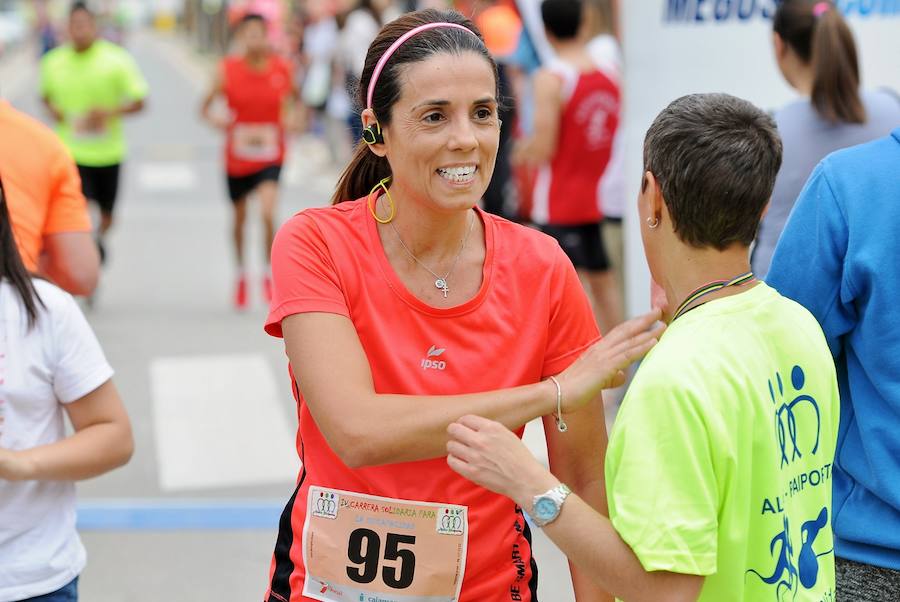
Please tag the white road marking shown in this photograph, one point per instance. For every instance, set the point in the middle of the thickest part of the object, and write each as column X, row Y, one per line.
column 165, row 176
column 218, row 423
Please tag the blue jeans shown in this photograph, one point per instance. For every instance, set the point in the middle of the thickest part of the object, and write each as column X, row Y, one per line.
column 67, row 593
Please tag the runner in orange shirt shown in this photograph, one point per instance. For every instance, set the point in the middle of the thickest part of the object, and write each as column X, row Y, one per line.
column 258, row 86
column 49, row 214
column 409, row 307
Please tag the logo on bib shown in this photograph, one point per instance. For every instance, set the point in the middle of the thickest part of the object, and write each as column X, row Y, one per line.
column 450, row 521
column 434, row 364
column 326, row 506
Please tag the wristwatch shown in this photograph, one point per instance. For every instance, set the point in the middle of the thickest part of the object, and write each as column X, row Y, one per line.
column 546, row 507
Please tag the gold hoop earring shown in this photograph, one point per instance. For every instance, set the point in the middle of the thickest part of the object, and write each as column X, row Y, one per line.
column 383, row 185
column 652, row 222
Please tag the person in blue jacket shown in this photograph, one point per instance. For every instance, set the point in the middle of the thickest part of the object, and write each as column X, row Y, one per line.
column 839, row 256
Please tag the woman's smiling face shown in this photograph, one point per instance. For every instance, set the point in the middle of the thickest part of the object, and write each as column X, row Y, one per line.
column 444, row 132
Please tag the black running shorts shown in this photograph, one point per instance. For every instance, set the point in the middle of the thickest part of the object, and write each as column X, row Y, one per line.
column 240, row 186
column 583, row 244
column 101, row 185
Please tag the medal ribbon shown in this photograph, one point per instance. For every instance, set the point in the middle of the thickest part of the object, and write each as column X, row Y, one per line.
column 710, row 288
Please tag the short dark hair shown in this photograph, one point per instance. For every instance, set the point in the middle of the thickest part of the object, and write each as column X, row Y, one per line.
column 562, row 18
column 251, row 18
column 715, row 157
column 80, row 5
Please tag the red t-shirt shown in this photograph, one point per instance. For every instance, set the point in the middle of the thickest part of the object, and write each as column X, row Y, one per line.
column 567, row 189
column 256, row 97
column 529, row 320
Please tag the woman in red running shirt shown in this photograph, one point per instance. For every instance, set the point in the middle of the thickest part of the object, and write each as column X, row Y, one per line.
column 259, row 88
column 409, row 307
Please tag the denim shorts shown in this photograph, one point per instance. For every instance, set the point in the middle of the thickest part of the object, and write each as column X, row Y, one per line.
column 67, row 593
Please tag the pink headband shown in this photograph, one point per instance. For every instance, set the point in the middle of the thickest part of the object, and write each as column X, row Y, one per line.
column 387, row 55
column 820, row 9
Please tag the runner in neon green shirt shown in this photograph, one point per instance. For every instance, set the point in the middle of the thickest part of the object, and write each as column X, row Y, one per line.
column 719, row 463
column 718, row 470
column 88, row 85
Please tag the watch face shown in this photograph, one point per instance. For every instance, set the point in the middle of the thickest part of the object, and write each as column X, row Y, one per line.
column 545, row 509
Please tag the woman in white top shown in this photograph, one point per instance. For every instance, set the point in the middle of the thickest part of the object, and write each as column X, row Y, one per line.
column 817, row 56
column 50, row 361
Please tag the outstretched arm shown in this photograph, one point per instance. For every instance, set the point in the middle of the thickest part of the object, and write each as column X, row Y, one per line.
column 367, row 428
column 487, row 453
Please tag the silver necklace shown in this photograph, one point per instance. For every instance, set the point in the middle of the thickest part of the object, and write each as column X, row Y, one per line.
column 441, row 281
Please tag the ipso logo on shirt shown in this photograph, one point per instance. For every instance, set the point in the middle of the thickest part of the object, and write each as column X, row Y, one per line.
column 434, row 364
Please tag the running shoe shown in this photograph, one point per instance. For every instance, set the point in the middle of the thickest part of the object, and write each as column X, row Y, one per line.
column 267, row 288
column 240, row 293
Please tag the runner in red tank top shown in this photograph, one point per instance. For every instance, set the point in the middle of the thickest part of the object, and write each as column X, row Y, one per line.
column 259, row 90
column 407, row 308
column 576, row 117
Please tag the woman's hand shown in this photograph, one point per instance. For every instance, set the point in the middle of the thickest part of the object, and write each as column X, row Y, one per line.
column 603, row 365
column 489, row 454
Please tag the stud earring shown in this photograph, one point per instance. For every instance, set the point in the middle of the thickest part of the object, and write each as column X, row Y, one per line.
column 652, row 222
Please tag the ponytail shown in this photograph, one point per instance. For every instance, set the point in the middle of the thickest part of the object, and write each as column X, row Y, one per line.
column 364, row 171
column 835, row 91
column 819, row 35
column 11, row 267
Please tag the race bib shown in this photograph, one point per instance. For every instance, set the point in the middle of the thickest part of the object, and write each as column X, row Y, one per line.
column 87, row 130
column 256, row 141
column 363, row 548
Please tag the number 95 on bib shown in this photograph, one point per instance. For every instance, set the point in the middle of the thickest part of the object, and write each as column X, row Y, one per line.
column 363, row 548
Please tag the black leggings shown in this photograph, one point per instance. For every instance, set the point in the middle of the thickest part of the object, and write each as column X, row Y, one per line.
column 865, row 583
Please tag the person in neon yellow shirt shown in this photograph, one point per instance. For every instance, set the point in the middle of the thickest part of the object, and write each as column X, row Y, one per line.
column 88, row 85
column 718, row 469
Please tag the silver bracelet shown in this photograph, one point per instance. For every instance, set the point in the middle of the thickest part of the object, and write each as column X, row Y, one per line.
column 560, row 423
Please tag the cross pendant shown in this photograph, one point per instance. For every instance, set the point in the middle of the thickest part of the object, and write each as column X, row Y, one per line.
column 441, row 284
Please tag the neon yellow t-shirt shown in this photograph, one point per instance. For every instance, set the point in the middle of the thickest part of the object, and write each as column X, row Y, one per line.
column 102, row 77
column 719, row 463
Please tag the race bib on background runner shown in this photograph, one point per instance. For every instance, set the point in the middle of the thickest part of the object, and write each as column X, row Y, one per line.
column 256, row 141
column 360, row 548
column 84, row 130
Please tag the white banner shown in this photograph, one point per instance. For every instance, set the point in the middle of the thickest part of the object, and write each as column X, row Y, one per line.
column 677, row 47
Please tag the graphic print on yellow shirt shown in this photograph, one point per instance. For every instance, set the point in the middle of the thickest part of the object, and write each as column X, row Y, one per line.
column 719, row 463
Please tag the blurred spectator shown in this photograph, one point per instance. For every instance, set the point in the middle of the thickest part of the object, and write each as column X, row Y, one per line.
column 604, row 48
column 320, row 37
column 816, row 53
column 46, row 32
column 358, row 25
column 576, row 117
column 43, row 192
column 501, row 27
